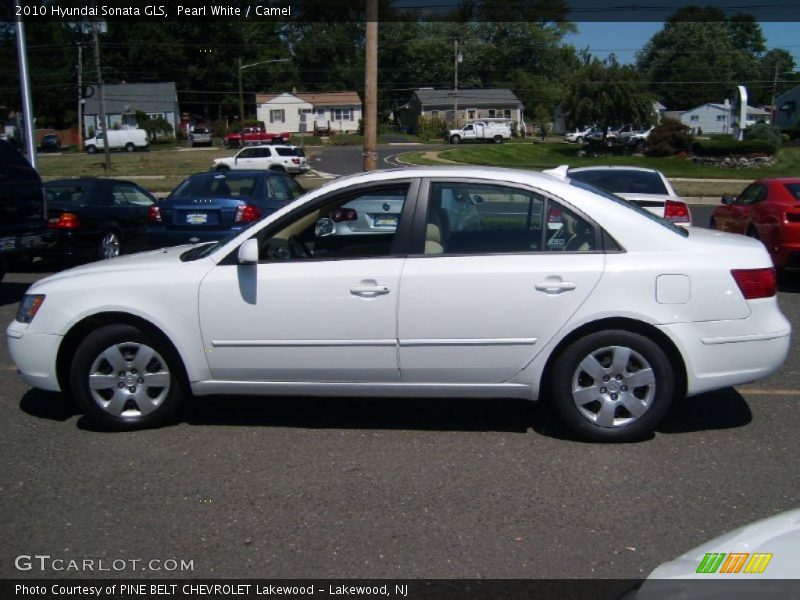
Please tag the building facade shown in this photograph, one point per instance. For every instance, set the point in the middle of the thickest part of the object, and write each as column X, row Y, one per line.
column 123, row 100
column 324, row 112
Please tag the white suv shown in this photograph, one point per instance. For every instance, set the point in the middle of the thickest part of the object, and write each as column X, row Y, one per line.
column 289, row 159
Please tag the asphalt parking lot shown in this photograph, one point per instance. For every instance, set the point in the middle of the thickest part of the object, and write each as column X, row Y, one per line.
column 341, row 488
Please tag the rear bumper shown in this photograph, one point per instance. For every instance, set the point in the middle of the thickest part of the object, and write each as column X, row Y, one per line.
column 719, row 354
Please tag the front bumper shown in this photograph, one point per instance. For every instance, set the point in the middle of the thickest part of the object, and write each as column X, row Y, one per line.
column 35, row 355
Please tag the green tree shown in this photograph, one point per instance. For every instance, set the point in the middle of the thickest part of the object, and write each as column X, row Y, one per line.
column 607, row 93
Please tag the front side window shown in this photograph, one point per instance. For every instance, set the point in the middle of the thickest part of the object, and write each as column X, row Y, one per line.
column 246, row 153
column 360, row 224
column 751, row 194
column 466, row 218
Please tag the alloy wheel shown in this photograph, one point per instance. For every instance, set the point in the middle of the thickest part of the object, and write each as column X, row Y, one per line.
column 109, row 245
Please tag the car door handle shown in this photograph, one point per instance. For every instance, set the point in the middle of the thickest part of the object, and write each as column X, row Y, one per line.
column 369, row 289
column 555, row 285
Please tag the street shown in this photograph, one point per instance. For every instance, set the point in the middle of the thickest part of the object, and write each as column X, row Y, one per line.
column 345, row 488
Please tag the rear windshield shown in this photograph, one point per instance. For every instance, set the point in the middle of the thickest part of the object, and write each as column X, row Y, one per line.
column 202, row 130
column 65, row 195
column 290, row 152
column 217, row 184
column 634, row 207
column 794, row 189
column 619, row 181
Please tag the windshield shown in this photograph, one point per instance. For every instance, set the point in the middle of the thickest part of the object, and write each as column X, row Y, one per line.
column 217, row 184
column 65, row 195
column 620, row 181
column 634, row 207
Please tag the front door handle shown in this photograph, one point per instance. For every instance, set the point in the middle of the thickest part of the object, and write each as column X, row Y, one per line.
column 369, row 289
column 555, row 285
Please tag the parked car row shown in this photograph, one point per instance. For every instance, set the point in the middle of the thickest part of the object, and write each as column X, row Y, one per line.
column 627, row 135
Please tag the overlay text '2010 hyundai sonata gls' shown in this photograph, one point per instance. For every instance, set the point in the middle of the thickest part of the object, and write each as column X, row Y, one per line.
column 550, row 289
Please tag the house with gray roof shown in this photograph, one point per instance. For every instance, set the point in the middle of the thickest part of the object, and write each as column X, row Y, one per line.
column 124, row 99
column 787, row 109
column 468, row 104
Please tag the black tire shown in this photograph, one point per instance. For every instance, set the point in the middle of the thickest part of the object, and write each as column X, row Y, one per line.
column 579, row 140
column 278, row 168
column 455, row 139
column 91, row 149
column 498, row 139
column 129, row 147
column 159, row 402
column 608, row 400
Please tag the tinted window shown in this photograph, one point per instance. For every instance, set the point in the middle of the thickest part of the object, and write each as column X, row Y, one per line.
column 65, row 195
column 278, row 190
column 618, row 181
column 137, row 197
column 752, row 193
column 290, row 152
column 216, row 184
column 491, row 219
column 261, row 152
column 246, row 153
column 794, row 189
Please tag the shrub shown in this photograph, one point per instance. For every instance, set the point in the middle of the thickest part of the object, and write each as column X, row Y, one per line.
column 764, row 132
column 785, row 138
column 733, row 148
column 432, row 128
column 669, row 138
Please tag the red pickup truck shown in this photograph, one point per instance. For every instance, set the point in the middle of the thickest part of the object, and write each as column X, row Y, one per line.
column 250, row 136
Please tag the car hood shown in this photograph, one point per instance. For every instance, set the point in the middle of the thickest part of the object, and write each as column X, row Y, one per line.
column 164, row 258
column 778, row 535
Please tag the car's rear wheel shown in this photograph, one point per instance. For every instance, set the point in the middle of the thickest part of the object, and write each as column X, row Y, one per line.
column 91, row 149
column 612, row 386
column 579, row 139
column 498, row 139
column 278, row 168
column 130, row 147
column 125, row 379
column 110, row 246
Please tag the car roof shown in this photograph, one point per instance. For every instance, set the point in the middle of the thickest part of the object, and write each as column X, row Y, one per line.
column 237, row 172
column 613, row 168
column 88, row 180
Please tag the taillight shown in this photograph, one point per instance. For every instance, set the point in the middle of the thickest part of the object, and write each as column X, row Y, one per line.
column 793, row 217
column 676, row 211
column 154, row 214
column 246, row 213
column 296, row 161
column 756, row 283
column 344, row 214
column 65, row 220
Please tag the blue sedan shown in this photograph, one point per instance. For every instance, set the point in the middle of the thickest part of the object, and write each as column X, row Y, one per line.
column 210, row 206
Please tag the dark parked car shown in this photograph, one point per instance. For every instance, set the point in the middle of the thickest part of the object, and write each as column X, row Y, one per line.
column 210, row 206
column 50, row 143
column 23, row 223
column 97, row 218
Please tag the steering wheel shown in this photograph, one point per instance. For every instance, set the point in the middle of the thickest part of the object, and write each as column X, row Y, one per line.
column 298, row 248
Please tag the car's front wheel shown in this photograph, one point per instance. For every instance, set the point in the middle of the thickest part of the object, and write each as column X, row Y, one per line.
column 612, row 386
column 91, row 149
column 129, row 147
column 125, row 379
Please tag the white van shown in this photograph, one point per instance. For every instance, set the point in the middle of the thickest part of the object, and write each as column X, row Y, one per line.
column 118, row 139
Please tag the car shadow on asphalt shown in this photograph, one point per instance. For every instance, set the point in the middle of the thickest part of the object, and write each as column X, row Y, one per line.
column 12, row 292
column 53, row 406
column 789, row 282
column 721, row 409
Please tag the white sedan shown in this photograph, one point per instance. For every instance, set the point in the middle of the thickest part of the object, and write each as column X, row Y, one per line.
column 609, row 315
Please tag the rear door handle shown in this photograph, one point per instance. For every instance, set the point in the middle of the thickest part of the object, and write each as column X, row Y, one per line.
column 369, row 289
column 555, row 285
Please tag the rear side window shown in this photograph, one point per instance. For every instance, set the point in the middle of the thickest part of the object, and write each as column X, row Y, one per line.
column 794, row 189
column 618, row 181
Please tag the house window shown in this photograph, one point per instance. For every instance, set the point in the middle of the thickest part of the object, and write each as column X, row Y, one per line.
column 720, row 117
column 491, row 113
column 320, row 113
column 507, row 113
column 277, row 115
column 694, row 118
column 342, row 114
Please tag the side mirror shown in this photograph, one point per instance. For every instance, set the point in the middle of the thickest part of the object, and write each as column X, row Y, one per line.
column 728, row 200
column 324, row 227
column 248, row 252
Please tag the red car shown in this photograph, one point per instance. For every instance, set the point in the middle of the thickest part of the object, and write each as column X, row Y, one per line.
column 769, row 210
column 250, row 136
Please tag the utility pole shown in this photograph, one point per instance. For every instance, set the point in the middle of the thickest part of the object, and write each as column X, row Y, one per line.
column 241, row 94
column 80, row 96
column 457, row 58
column 27, row 103
column 371, row 88
column 101, row 99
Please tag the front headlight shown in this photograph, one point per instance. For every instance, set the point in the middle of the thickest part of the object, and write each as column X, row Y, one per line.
column 30, row 305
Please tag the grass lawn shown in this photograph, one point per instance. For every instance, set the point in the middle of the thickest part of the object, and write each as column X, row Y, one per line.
column 156, row 171
column 547, row 155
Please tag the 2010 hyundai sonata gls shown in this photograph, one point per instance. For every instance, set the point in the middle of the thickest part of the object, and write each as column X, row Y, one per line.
column 550, row 289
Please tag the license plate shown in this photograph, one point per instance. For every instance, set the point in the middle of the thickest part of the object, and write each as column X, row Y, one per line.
column 197, row 218
column 385, row 221
column 7, row 244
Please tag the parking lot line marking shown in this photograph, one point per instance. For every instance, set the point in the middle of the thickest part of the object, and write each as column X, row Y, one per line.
column 768, row 392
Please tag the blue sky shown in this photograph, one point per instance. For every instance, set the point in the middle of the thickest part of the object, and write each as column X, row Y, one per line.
column 624, row 39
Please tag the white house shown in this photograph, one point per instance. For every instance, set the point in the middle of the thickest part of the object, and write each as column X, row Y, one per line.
column 295, row 113
column 716, row 118
column 121, row 101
